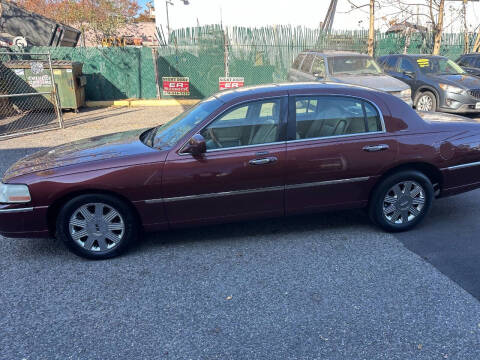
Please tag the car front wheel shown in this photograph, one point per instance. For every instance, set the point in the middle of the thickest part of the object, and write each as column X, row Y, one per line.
column 426, row 101
column 96, row 226
column 401, row 201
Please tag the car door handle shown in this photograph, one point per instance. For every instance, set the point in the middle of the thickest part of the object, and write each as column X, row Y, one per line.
column 263, row 161
column 372, row 148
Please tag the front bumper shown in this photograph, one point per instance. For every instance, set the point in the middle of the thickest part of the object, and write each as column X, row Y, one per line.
column 22, row 221
column 458, row 103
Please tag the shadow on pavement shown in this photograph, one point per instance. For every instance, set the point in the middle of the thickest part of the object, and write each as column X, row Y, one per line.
column 449, row 239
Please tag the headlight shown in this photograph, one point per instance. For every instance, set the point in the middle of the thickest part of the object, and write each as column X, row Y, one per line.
column 406, row 93
column 14, row 194
column 451, row 88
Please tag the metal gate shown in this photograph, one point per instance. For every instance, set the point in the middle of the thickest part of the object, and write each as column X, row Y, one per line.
column 29, row 100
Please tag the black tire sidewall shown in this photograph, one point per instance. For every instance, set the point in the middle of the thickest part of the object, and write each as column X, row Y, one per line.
column 427, row 93
column 63, row 233
column 376, row 202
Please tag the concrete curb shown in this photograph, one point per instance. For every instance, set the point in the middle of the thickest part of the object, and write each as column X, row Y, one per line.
column 140, row 103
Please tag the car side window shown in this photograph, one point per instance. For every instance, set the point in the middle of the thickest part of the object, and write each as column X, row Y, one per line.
column 389, row 64
column 256, row 122
column 464, row 61
column 318, row 67
column 335, row 116
column 307, row 63
column 475, row 62
column 405, row 66
column 298, row 61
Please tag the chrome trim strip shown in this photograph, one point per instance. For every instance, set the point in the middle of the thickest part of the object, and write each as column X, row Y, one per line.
column 462, row 166
column 253, row 191
column 211, row 195
column 245, row 146
column 335, row 136
column 329, row 182
column 7, row 211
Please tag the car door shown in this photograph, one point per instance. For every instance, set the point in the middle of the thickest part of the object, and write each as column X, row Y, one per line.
column 241, row 175
column 340, row 148
column 407, row 72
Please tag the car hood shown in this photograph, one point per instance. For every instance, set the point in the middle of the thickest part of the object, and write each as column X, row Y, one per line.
column 465, row 81
column 96, row 149
column 379, row 82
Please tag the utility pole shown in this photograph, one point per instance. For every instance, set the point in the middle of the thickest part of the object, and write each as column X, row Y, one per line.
column 168, row 2
column 466, row 47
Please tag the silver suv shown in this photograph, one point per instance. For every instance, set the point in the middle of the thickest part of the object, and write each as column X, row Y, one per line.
column 347, row 68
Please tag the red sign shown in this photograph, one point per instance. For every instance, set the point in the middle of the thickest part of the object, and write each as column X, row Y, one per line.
column 225, row 83
column 176, row 86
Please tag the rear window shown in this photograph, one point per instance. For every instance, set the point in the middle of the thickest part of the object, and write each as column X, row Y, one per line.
column 298, row 61
column 307, row 63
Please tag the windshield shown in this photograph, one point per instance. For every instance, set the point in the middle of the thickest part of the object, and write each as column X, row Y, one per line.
column 438, row 66
column 353, row 65
column 167, row 135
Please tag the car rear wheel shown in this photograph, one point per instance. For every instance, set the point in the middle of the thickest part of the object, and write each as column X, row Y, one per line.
column 426, row 101
column 401, row 201
column 96, row 226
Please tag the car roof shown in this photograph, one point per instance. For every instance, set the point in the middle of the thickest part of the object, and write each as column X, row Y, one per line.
column 414, row 56
column 331, row 53
column 228, row 95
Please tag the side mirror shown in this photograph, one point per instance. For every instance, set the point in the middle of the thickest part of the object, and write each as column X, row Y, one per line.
column 410, row 74
column 196, row 145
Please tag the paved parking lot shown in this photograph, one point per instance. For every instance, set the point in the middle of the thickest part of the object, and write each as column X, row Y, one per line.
column 324, row 286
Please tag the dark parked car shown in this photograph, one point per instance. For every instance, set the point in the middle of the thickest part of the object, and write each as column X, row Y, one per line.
column 438, row 84
column 346, row 67
column 470, row 63
column 265, row 151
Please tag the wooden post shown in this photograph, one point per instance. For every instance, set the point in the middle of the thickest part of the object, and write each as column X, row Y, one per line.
column 371, row 29
column 437, row 40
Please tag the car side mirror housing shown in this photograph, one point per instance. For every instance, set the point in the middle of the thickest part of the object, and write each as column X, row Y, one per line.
column 410, row 74
column 196, row 145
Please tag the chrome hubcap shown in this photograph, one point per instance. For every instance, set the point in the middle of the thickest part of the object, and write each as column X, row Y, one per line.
column 425, row 103
column 403, row 202
column 97, row 227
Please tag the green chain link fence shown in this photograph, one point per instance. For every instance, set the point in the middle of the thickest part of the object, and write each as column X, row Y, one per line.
column 203, row 54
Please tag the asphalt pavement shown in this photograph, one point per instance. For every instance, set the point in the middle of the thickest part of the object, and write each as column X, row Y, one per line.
column 323, row 286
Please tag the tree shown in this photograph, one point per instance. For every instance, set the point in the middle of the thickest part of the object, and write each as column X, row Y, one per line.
column 437, row 22
column 101, row 18
column 371, row 28
column 466, row 39
column 432, row 10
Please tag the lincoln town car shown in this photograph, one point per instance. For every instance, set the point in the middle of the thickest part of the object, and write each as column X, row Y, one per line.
column 255, row 152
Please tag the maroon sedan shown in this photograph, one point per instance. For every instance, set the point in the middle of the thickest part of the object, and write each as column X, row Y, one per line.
column 256, row 152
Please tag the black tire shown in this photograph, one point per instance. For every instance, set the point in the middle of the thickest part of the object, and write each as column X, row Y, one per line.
column 380, row 210
column 426, row 94
column 126, row 220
